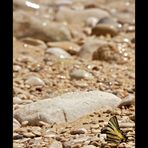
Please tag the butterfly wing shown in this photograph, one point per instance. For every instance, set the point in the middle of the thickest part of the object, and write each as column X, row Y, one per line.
column 113, row 132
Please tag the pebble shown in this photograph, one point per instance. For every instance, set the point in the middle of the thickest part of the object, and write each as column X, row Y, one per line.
column 91, row 21
column 28, row 134
column 78, row 131
column 18, row 145
column 127, row 101
column 16, row 124
column 50, row 134
column 34, row 81
column 24, row 123
column 89, row 146
column 56, row 144
column 95, row 131
column 24, row 102
column 127, row 129
column 75, row 142
column 94, row 126
column 81, row 74
column 16, row 68
column 34, row 42
column 17, row 136
column 68, row 46
column 80, row 84
column 133, row 40
column 95, row 143
column 112, row 53
column 122, row 145
column 132, row 117
column 104, row 29
column 58, row 52
column 110, row 21
column 17, row 100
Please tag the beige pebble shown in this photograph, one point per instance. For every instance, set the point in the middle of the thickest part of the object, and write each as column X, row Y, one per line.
column 70, row 47
column 132, row 118
column 17, row 100
column 16, row 124
column 55, row 144
column 80, row 74
column 34, row 42
column 18, row 145
column 95, row 131
column 122, row 145
column 95, row 126
column 34, row 81
column 97, row 144
column 104, row 29
column 16, row 68
column 127, row 125
column 28, row 134
column 78, row 131
column 24, row 123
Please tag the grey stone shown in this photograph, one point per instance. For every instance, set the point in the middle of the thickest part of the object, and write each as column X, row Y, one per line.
column 109, row 21
column 66, row 108
column 128, row 101
column 16, row 124
column 78, row 131
column 58, row 52
column 104, row 29
column 91, row 21
column 17, row 100
column 34, row 42
column 34, row 81
column 81, row 74
column 68, row 46
column 56, row 144
column 17, row 68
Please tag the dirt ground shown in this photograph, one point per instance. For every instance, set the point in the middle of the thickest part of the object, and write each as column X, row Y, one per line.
column 114, row 72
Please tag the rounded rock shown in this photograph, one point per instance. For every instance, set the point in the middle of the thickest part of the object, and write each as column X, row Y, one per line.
column 56, row 144
column 68, row 46
column 17, row 100
column 16, row 124
column 34, row 42
column 34, row 81
column 78, row 131
column 58, row 52
column 104, row 29
column 17, row 68
column 81, row 74
column 95, row 126
column 28, row 134
column 109, row 21
column 91, row 21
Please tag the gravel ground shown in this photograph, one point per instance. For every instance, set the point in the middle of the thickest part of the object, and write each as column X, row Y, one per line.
column 78, row 63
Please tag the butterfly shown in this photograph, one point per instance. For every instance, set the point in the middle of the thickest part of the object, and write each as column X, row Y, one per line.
column 113, row 132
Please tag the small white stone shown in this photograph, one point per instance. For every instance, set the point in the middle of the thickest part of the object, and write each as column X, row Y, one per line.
column 34, row 81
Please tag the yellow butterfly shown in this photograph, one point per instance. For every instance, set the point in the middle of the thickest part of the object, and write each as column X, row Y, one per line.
column 113, row 132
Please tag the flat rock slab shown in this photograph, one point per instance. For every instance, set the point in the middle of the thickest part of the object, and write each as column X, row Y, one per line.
column 66, row 108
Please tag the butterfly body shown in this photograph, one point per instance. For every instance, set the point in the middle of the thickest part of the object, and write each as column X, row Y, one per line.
column 113, row 132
